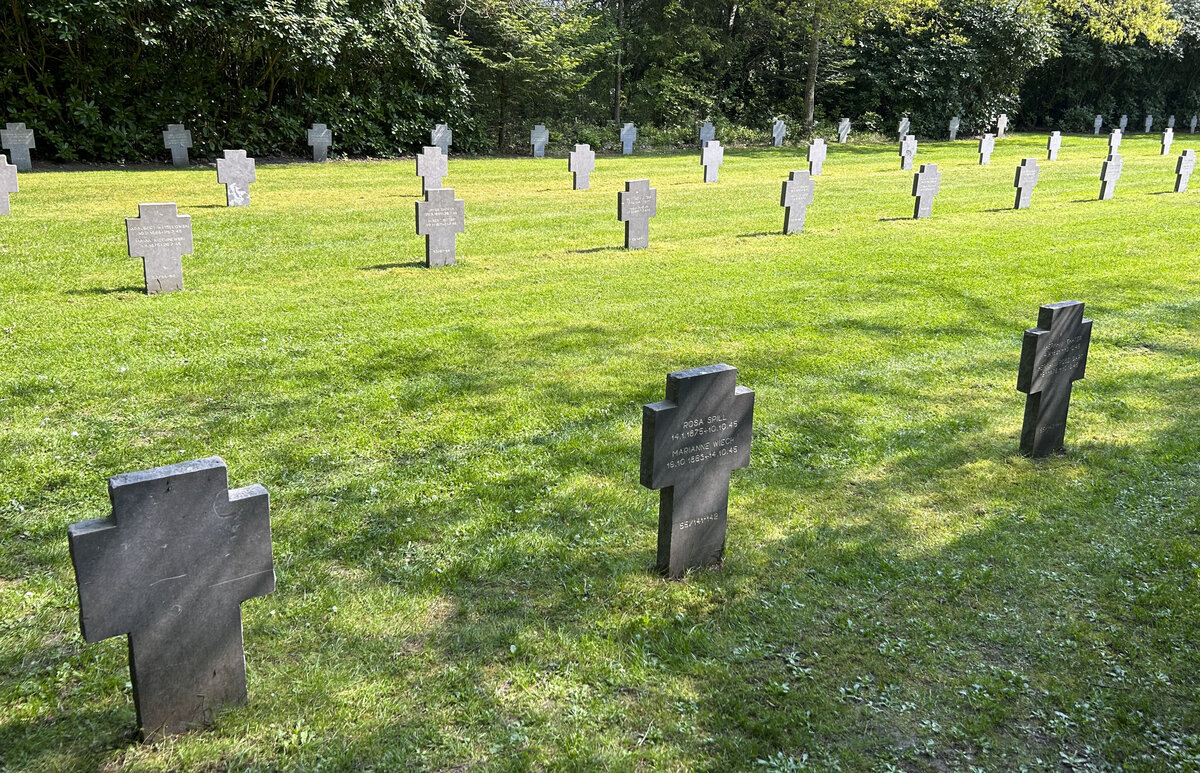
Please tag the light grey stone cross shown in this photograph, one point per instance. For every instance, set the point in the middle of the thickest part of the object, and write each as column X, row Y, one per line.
column 177, row 140
column 987, row 144
column 926, row 184
column 1183, row 170
column 581, row 163
column 635, row 206
column 1001, row 124
column 1096, row 124
column 628, row 137
column 235, row 171
column 1110, row 172
column 1167, row 138
column 1026, row 179
column 8, row 183
column 1149, row 123
column 439, row 218
column 160, row 237
column 170, row 569
column 1052, row 146
column 1114, row 141
column 1195, row 120
column 904, row 127
column 431, row 167
column 797, row 195
column 843, row 130
column 707, row 133
column 817, row 151
column 18, row 141
column 443, row 137
column 908, row 149
column 1123, row 122
column 778, row 132
column 1171, row 122
column 320, row 138
column 538, row 138
column 711, row 157
column 954, row 124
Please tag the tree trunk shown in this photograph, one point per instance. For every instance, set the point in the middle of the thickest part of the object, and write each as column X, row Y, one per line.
column 810, row 85
column 620, row 51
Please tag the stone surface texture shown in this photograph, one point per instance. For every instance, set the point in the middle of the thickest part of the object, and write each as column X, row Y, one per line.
column 1053, row 357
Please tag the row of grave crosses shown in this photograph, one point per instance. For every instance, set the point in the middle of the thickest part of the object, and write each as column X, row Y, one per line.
column 181, row 552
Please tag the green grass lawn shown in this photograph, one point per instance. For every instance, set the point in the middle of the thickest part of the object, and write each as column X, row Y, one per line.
column 464, row 554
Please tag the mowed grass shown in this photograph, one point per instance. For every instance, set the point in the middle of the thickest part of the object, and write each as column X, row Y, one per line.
column 464, row 554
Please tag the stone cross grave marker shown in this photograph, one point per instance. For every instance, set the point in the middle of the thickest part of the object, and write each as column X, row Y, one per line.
column 170, row 569
column 1114, row 140
column 1167, row 138
column 1123, row 122
column 581, row 162
column 177, row 140
column 1195, row 120
column 843, row 130
column 18, row 141
column 1110, row 172
column 320, row 138
column 628, row 137
column 443, row 137
column 235, row 171
column 926, row 184
column 431, row 167
column 711, row 157
column 1097, row 124
column 987, row 143
column 778, row 132
column 1183, row 170
column 797, row 195
column 1052, row 146
column 691, row 443
column 1171, row 122
column 635, row 206
column 817, row 150
column 160, row 237
column 1001, row 124
column 1149, row 123
column 1053, row 356
column 538, row 138
column 908, row 149
column 905, row 125
column 954, row 124
column 1026, row 180
column 8, row 183
column 439, row 217
column 707, row 133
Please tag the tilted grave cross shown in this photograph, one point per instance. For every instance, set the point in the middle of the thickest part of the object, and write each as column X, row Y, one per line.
column 1183, row 170
column 628, row 137
column 1149, row 123
column 817, row 151
column 711, row 157
column 1167, row 138
column 1110, row 172
column 707, row 133
column 954, row 124
column 439, row 218
column 1052, row 146
column 18, row 141
column 691, row 443
column 1001, row 124
column 8, row 183
column 431, row 167
column 778, row 132
column 581, row 162
column 908, row 149
column 538, row 138
column 1124, row 122
column 160, row 237
column 905, row 125
column 320, row 138
column 843, row 130
column 797, row 195
column 635, row 206
column 1114, row 140
column 1026, row 179
column 1097, row 124
column 1053, row 356
column 987, row 144
column 177, row 140
column 926, row 184
column 443, row 137
column 236, row 172
column 170, row 569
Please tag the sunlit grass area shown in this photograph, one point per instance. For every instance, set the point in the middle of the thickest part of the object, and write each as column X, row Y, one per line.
column 464, row 554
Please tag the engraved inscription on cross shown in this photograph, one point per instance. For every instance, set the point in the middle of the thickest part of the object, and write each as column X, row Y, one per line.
column 817, row 150
column 987, row 143
column 711, row 158
column 18, row 141
column 778, row 131
column 1110, row 172
column 160, row 237
column 1026, row 179
column 581, row 163
column 431, row 167
column 926, row 184
column 1167, row 138
column 235, row 171
column 691, row 442
column 636, row 205
column 797, row 195
column 170, row 569
column 628, row 137
column 177, row 140
column 908, row 149
column 538, row 138
column 1053, row 356
column 843, row 130
column 8, row 182
column 320, row 138
column 439, row 217
column 954, row 124
column 1183, row 170
column 443, row 137
column 1052, row 146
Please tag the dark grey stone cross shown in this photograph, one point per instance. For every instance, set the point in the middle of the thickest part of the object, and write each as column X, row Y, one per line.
column 443, row 137
column 8, row 183
column 18, row 141
column 628, row 137
column 636, row 205
column 320, row 138
column 439, row 218
column 431, row 167
column 160, row 237
column 236, row 171
column 538, row 138
column 691, row 442
column 581, row 162
column 177, row 139
column 170, row 569
column 1053, row 356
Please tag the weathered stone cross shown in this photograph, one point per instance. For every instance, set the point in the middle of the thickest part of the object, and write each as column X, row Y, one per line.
column 817, row 150
column 1123, row 122
column 236, row 172
column 954, row 124
column 177, row 140
column 160, row 237
column 18, row 141
column 905, row 125
column 538, row 138
column 908, row 149
column 1052, row 146
column 1167, row 138
column 443, row 137
column 8, row 183
column 1149, row 123
column 711, row 158
column 1110, row 172
column 843, row 130
column 1183, row 170
column 926, row 184
column 431, row 167
column 1001, row 124
column 797, row 195
column 987, row 143
column 1053, row 356
column 439, row 217
column 1027, row 178
column 1114, row 141
column 1096, row 124
column 320, row 138
column 581, row 162
column 707, row 133
column 778, row 132
column 636, row 205
column 628, row 137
